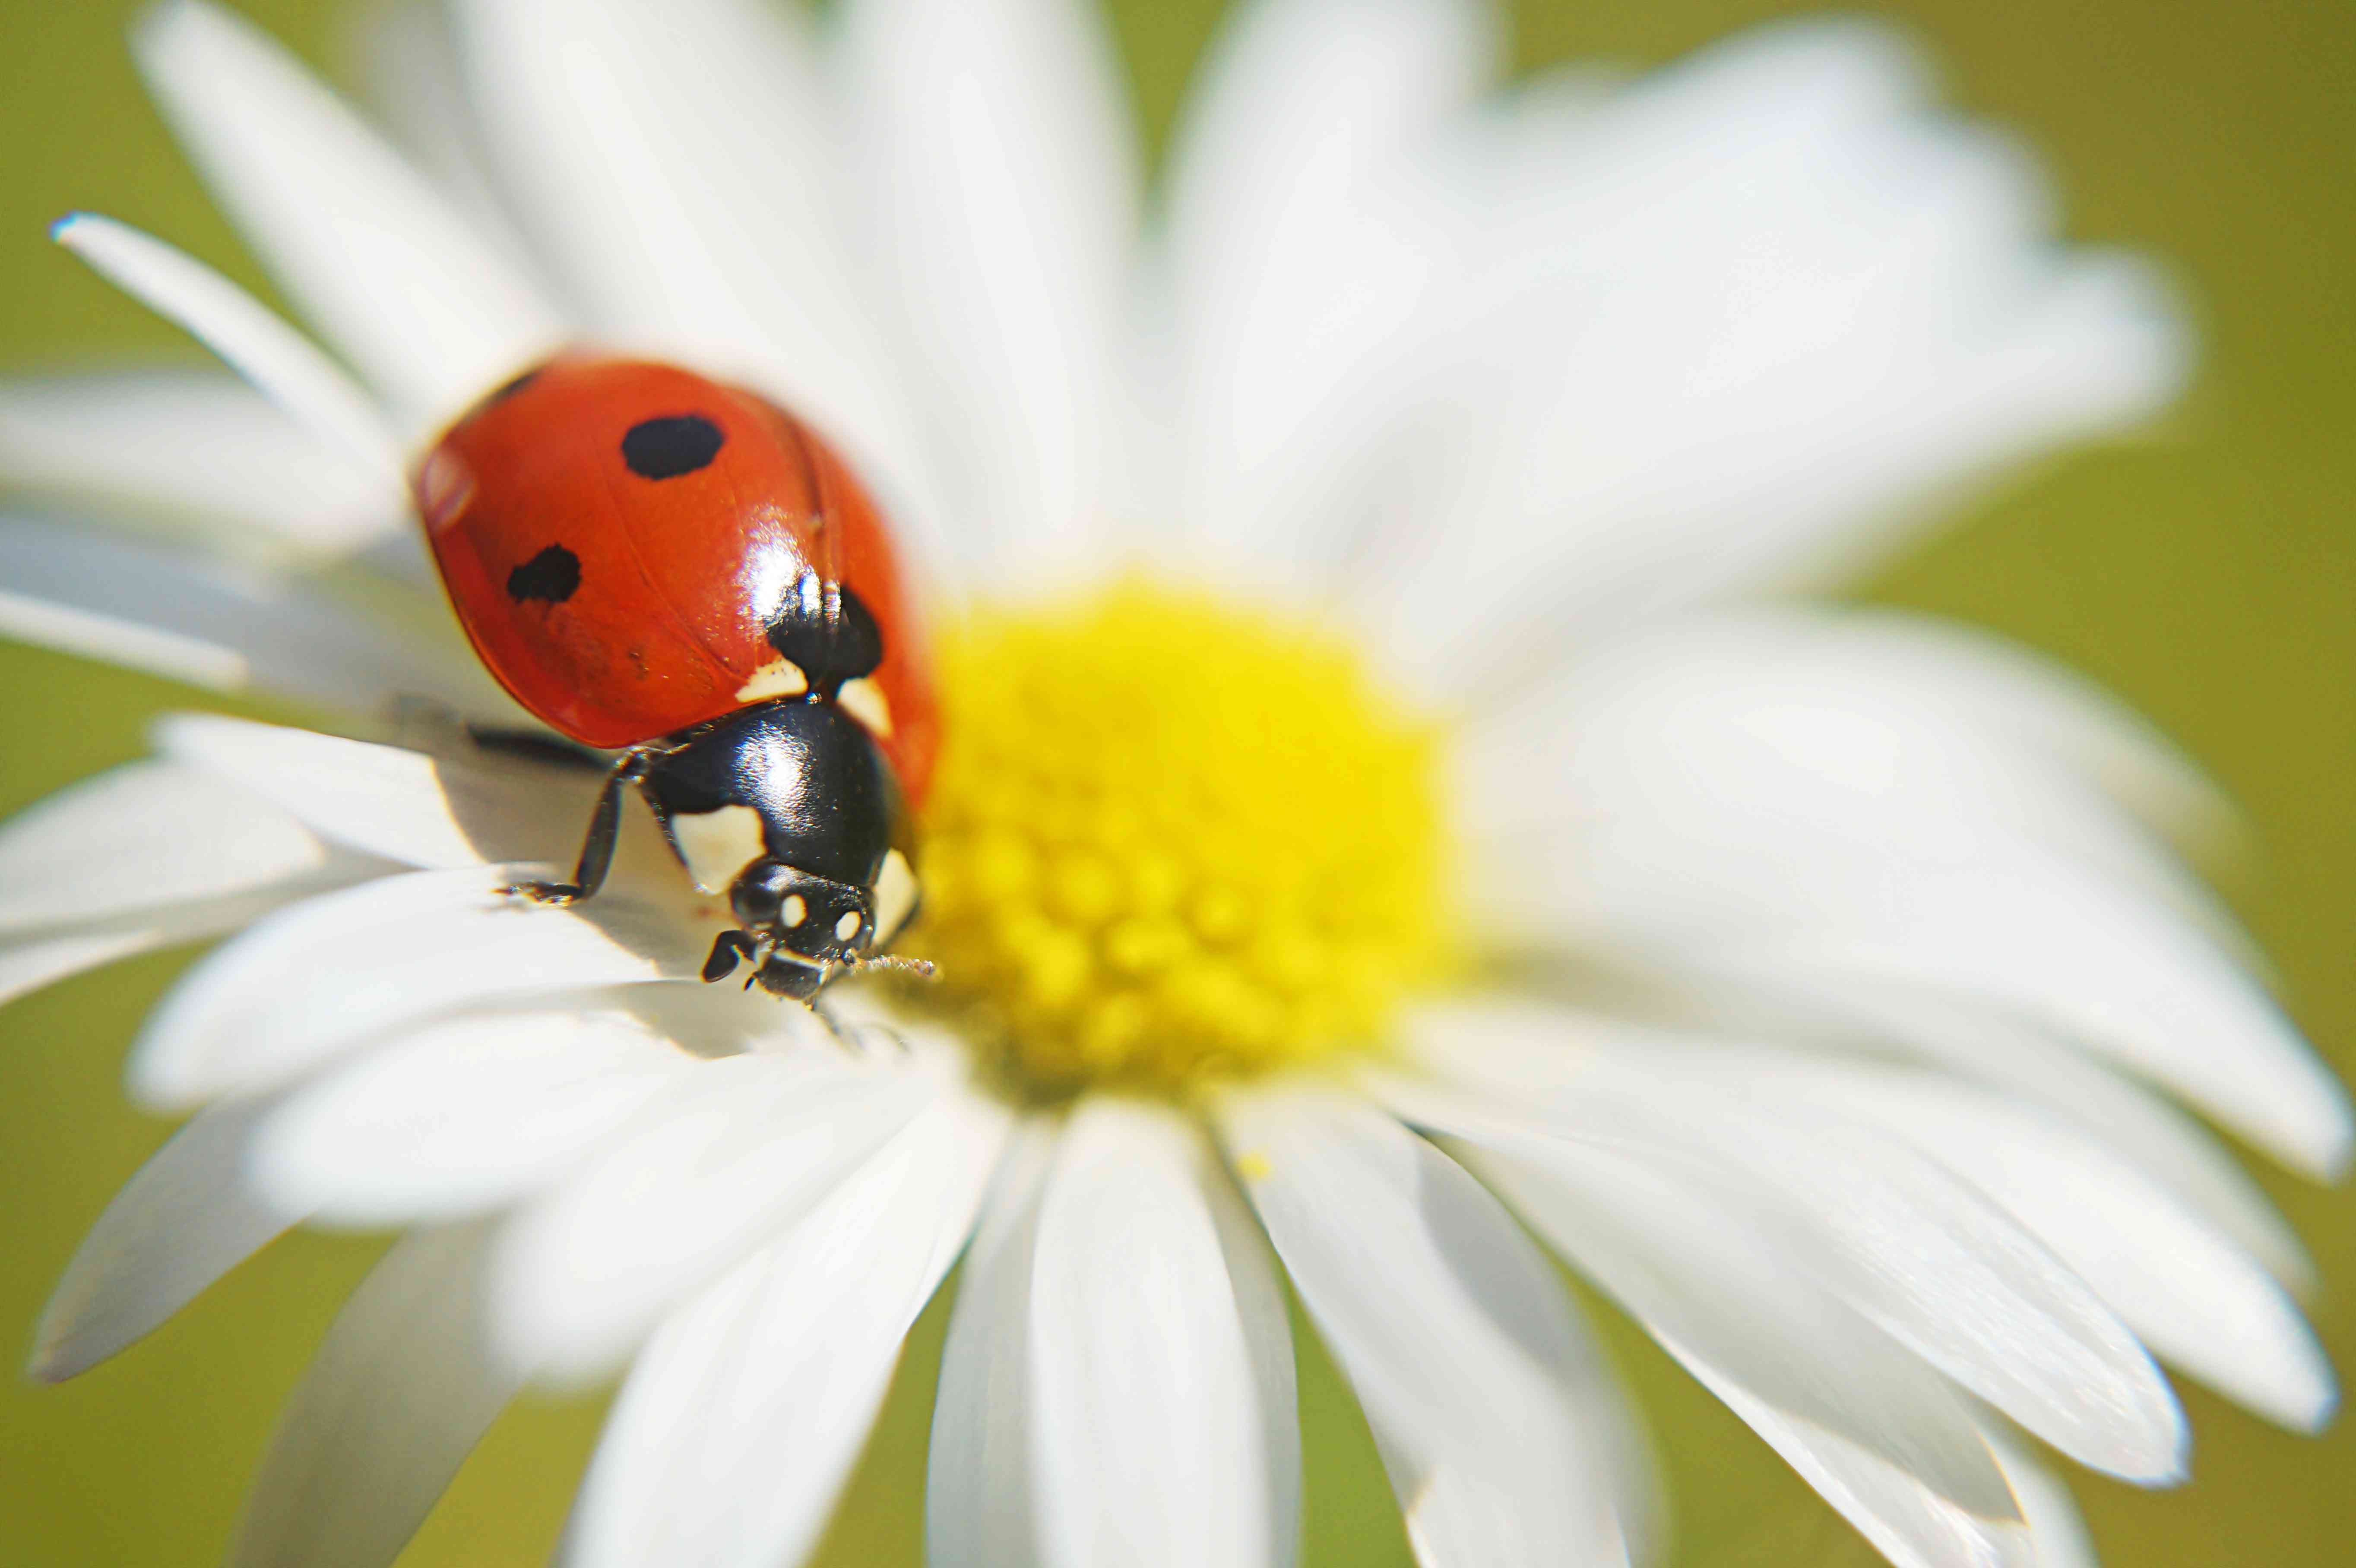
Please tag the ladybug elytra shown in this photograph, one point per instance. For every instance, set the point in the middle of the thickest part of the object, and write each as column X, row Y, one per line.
column 658, row 563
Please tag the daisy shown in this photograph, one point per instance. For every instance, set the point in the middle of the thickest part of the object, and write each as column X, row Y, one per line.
column 1391, row 793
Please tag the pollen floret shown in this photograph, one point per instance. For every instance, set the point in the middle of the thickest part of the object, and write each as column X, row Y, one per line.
column 1173, row 837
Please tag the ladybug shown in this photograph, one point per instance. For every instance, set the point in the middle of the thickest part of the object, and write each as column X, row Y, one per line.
column 664, row 565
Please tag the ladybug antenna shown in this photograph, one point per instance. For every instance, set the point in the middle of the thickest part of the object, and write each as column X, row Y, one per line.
column 922, row 969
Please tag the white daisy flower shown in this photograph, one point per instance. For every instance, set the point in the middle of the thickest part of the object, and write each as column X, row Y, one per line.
column 1389, row 790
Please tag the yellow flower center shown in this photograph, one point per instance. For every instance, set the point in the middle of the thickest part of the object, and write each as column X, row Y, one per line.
column 1171, row 838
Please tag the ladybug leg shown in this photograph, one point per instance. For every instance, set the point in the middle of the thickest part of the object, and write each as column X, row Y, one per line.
column 729, row 949
column 598, row 850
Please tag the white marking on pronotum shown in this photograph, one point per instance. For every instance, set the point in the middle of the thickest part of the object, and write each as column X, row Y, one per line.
column 895, row 896
column 778, row 677
column 717, row 845
column 864, row 700
column 792, row 911
column 847, row 927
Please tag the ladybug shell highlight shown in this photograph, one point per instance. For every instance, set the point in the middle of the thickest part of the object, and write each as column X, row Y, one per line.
column 634, row 550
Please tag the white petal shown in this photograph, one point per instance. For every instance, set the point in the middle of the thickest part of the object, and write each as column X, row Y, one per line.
column 324, row 976
column 746, row 1410
column 70, row 629
column 1160, row 1378
column 2186, row 1291
column 1693, row 1276
column 1709, row 727
column 1907, row 1522
column 1943, row 1271
column 2159, row 1139
column 404, row 55
column 192, row 618
column 1778, row 308
column 378, row 258
column 2112, row 974
column 1483, row 1399
column 29, row 963
column 1757, row 804
column 146, row 855
column 143, row 836
column 279, row 361
column 995, row 159
column 1874, row 740
column 402, row 804
column 401, row 1390
column 185, row 1220
column 980, row 1487
column 2046, row 1504
column 714, row 1166
column 681, row 162
column 26, row 967
column 459, row 1117
column 205, row 447
column 1978, row 1299
column 1304, row 251
column 2006, row 688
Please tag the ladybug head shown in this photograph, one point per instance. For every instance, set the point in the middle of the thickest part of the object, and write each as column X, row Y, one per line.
column 799, row 930
column 807, row 917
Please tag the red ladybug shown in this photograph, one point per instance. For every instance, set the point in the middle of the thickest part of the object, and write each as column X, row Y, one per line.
column 654, row 562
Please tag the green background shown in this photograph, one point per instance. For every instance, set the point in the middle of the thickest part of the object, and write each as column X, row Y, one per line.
column 2208, row 574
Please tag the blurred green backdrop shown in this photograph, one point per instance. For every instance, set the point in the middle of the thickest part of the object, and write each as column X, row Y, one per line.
column 2209, row 574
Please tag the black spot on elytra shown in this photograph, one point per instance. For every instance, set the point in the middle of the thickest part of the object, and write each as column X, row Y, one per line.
column 549, row 576
column 667, row 447
column 826, row 632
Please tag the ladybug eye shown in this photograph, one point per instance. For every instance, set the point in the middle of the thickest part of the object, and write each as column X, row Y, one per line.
column 760, row 897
